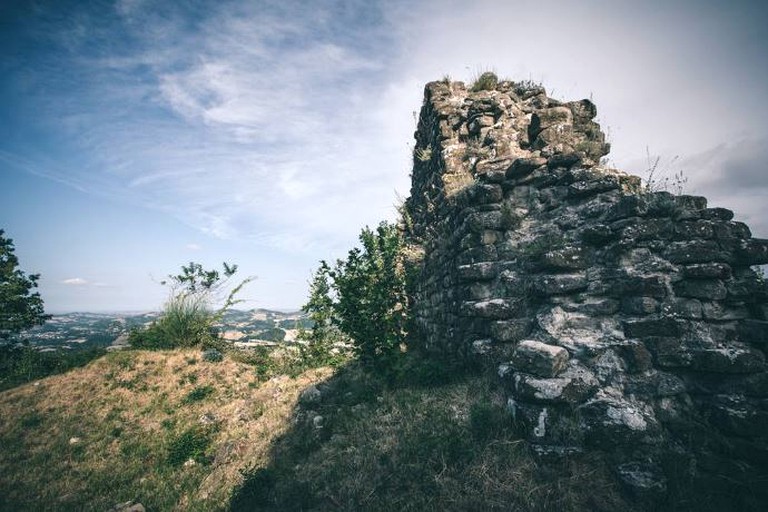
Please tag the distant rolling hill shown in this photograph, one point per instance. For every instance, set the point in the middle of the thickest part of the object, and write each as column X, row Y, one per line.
column 82, row 330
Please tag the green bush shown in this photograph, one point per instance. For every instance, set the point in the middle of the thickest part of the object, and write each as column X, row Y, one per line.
column 212, row 356
column 365, row 297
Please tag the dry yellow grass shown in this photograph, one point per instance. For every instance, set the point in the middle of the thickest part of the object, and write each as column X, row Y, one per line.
column 100, row 435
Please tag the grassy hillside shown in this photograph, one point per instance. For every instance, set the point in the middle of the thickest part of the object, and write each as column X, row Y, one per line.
column 166, row 429
column 174, row 432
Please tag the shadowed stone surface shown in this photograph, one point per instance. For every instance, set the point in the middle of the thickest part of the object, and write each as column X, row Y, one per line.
column 633, row 319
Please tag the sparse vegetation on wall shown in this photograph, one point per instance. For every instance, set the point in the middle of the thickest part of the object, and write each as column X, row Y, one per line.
column 487, row 81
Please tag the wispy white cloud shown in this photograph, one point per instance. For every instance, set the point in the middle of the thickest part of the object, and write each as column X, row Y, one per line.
column 260, row 123
column 193, row 247
column 75, row 281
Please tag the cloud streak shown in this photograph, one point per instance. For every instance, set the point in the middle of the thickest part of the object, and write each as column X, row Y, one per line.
column 253, row 124
column 75, row 281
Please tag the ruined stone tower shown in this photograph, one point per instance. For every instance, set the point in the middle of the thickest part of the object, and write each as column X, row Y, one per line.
column 620, row 319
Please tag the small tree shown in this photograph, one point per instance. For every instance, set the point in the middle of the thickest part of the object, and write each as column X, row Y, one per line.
column 188, row 318
column 369, row 302
column 20, row 306
column 324, row 333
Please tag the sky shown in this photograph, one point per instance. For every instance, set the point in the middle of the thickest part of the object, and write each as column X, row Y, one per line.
column 139, row 135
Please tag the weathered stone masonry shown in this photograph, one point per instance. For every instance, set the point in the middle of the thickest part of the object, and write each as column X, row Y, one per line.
column 620, row 319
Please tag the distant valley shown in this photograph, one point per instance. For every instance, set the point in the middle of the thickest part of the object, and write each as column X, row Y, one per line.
column 77, row 331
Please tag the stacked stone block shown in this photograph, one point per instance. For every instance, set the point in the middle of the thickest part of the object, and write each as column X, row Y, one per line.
column 623, row 320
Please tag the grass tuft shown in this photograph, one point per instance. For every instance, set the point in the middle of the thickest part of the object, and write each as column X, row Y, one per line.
column 197, row 394
column 487, row 81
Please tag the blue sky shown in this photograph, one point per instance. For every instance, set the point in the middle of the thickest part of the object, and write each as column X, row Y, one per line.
column 138, row 135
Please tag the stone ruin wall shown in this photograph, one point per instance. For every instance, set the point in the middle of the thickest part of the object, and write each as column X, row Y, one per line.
column 620, row 319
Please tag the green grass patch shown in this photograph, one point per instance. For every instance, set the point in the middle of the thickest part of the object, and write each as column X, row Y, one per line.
column 191, row 444
column 197, row 394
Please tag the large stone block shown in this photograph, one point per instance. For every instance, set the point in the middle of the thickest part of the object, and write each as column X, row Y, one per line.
column 574, row 385
column 547, row 118
column 539, row 359
column 692, row 229
column 731, row 231
column 738, row 415
column 567, row 258
column 477, row 255
column 730, row 359
column 594, row 306
column 614, row 421
column 644, row 286
column 485, row 194
column 581, row 189
column 482, row 271
column 506, row 331
column 707, row 271
column 696, row 251
column 635, row 230
column 494, row 308
column 670, row 352
column 598, row 234
column 752, row 252
column 723, row 311
column 689, row 202
column 710, row 289
column 480, row 221
column 639, row 305
column 524, row 166
column 682, row 308
column 717, row 214
column 559, row 284
column 663, row 326
column 655, row 384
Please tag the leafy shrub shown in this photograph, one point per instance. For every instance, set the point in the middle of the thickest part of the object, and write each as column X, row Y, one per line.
column 212, row 355
column 365, row 297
